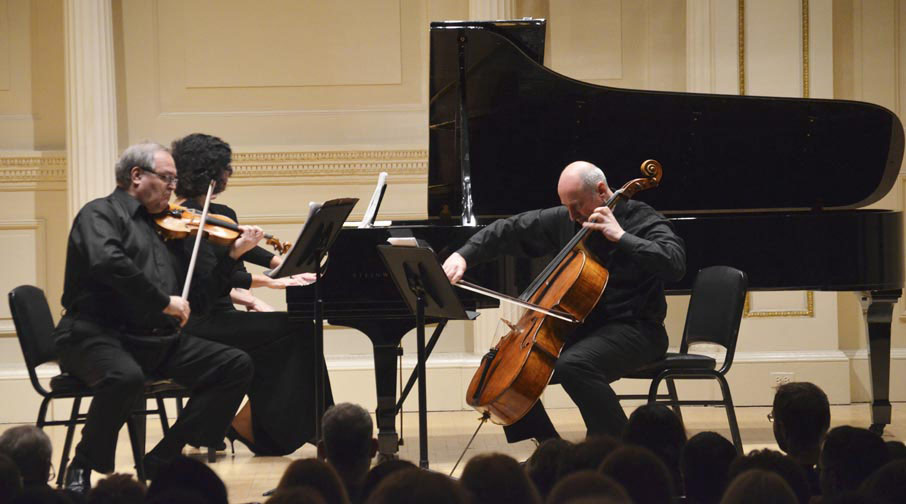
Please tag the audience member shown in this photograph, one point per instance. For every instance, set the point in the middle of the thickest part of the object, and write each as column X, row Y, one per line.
column 849, row 456
column 43, row 494
column 896, row 450
column 887, row 485
column 544, row 465
column 775, row 462
column 348, row 444
column 589, row 486
column 377, row 474
column 10, row 480
column 185, row 476
column 414, row 486
column 757, row 486
column 704, row 465
column 316, row 474
column 296, row 495
column 494, row 478
column 117, row 489
column 30, row 449
column 801, row 416
column 175, row 496
column 657, row 428
column 588, row 454
column 644, row 477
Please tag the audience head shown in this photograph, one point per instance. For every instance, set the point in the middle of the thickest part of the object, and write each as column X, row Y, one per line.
column 704, row 464
column 377, row 474
column 544, row 465
column 589, row 486
column 317, row 474
column 186, row 476
column 10, row 479
column 775, row 462
column 756, row 486
column 493, row 478
column 641, row 473
column 296, row 495
column 849, row 456
column 896, row 450
column 414, row 486
column 117, row 489
column 348, row 442
column 30, row 449
column 887, row 485
column 801, row 415
column 657, row 428
column 588, row 454
column 200, row 159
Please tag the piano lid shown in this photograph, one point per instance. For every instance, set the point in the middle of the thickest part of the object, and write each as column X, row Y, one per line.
column 719, row 152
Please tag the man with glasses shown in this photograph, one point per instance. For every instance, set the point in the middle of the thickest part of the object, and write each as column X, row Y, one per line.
column 123, row 317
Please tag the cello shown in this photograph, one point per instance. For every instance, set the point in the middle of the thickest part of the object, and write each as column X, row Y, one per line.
column 515, row 372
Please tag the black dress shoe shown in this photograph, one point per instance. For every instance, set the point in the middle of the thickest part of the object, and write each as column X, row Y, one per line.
column 78, row 480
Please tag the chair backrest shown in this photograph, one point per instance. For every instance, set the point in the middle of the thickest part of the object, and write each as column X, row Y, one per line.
column 34, row 327
column 715, row 309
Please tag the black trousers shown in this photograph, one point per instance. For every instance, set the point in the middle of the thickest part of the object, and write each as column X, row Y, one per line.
column 281, row 391
column 592, row 359
column 116, row 366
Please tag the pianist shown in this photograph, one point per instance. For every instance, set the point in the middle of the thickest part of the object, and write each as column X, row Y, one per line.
column 626, row 329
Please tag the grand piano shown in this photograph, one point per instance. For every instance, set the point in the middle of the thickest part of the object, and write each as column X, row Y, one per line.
column 772, row 186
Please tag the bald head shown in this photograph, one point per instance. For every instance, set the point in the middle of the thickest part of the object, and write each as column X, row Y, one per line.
column 582, row 188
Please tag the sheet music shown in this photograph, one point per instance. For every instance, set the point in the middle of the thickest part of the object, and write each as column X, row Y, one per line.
column 313, row 207
column 375, row 203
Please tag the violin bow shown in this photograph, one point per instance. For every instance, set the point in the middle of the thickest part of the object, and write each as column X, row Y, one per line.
column 198, row 238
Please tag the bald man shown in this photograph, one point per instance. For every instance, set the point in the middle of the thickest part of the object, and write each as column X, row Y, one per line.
column 626, row 329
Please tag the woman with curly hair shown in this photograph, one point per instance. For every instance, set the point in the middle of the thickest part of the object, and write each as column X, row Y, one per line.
column 279, row 415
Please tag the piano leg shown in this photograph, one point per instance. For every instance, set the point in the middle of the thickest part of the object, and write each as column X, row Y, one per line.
column 877, row 308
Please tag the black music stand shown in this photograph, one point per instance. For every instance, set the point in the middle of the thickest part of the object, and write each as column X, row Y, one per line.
column 427, row 292
column 306, row 256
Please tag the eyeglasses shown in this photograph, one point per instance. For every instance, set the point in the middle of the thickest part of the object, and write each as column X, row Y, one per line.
column 771, row 417
column 168, row 179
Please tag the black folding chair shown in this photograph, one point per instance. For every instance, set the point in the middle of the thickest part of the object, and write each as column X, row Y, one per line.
column 715, row 311
column 34, row 327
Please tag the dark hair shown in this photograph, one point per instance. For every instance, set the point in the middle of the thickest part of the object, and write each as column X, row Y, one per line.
column 657, row 428
column 10, row 479
column 587, row 485
column 776, row 462
column 377, row 474
column 192, row 476
column 588, row 454
column 544, row 465
column 117, row 489
column 297, row 495
column 200, row 159
column 704, row 464
column 348, row 432
column 642, row 474
column 176, row 496
column 494, row 477
column 896, row 449
column 317, row 474
column 887, row 485
column 414, row 486
column 801, row 417
column 849, row 456
column 757, row 486
column 30, row 449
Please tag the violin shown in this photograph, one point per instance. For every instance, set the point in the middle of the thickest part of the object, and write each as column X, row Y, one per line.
column 178, row 222
column 515, row 372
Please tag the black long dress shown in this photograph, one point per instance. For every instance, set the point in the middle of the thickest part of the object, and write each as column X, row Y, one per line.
column 281, row 392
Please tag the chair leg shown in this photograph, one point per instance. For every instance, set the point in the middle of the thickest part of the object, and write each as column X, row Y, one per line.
column 162, row 411
column 674, row 398
column 179, row 406
column 67, row 444
column 137, row 440
column 731, row 413
column 42, row 413
column 212, row 455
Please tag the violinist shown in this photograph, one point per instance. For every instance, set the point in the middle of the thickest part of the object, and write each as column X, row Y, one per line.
column 625, row 330
column 279, row 415
column 122, row 321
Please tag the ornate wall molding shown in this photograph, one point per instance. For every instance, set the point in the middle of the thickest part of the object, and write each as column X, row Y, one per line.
column 741, row 42
column 30, row 172
column 809, row 310
column 805, row 71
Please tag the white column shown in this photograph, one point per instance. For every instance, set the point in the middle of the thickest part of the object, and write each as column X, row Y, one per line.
column 698, row 47
column 91, row 135
column 490, row 10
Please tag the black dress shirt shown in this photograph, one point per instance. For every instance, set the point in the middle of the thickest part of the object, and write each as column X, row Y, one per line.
column 648, row 254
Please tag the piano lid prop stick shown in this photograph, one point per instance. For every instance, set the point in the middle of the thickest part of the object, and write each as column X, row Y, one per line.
column 462, row 284
column 198, row 238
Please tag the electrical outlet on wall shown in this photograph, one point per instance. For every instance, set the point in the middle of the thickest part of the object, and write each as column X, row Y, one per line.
column 781, row 378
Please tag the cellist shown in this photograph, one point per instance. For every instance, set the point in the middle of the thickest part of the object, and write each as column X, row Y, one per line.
column 626, row 328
